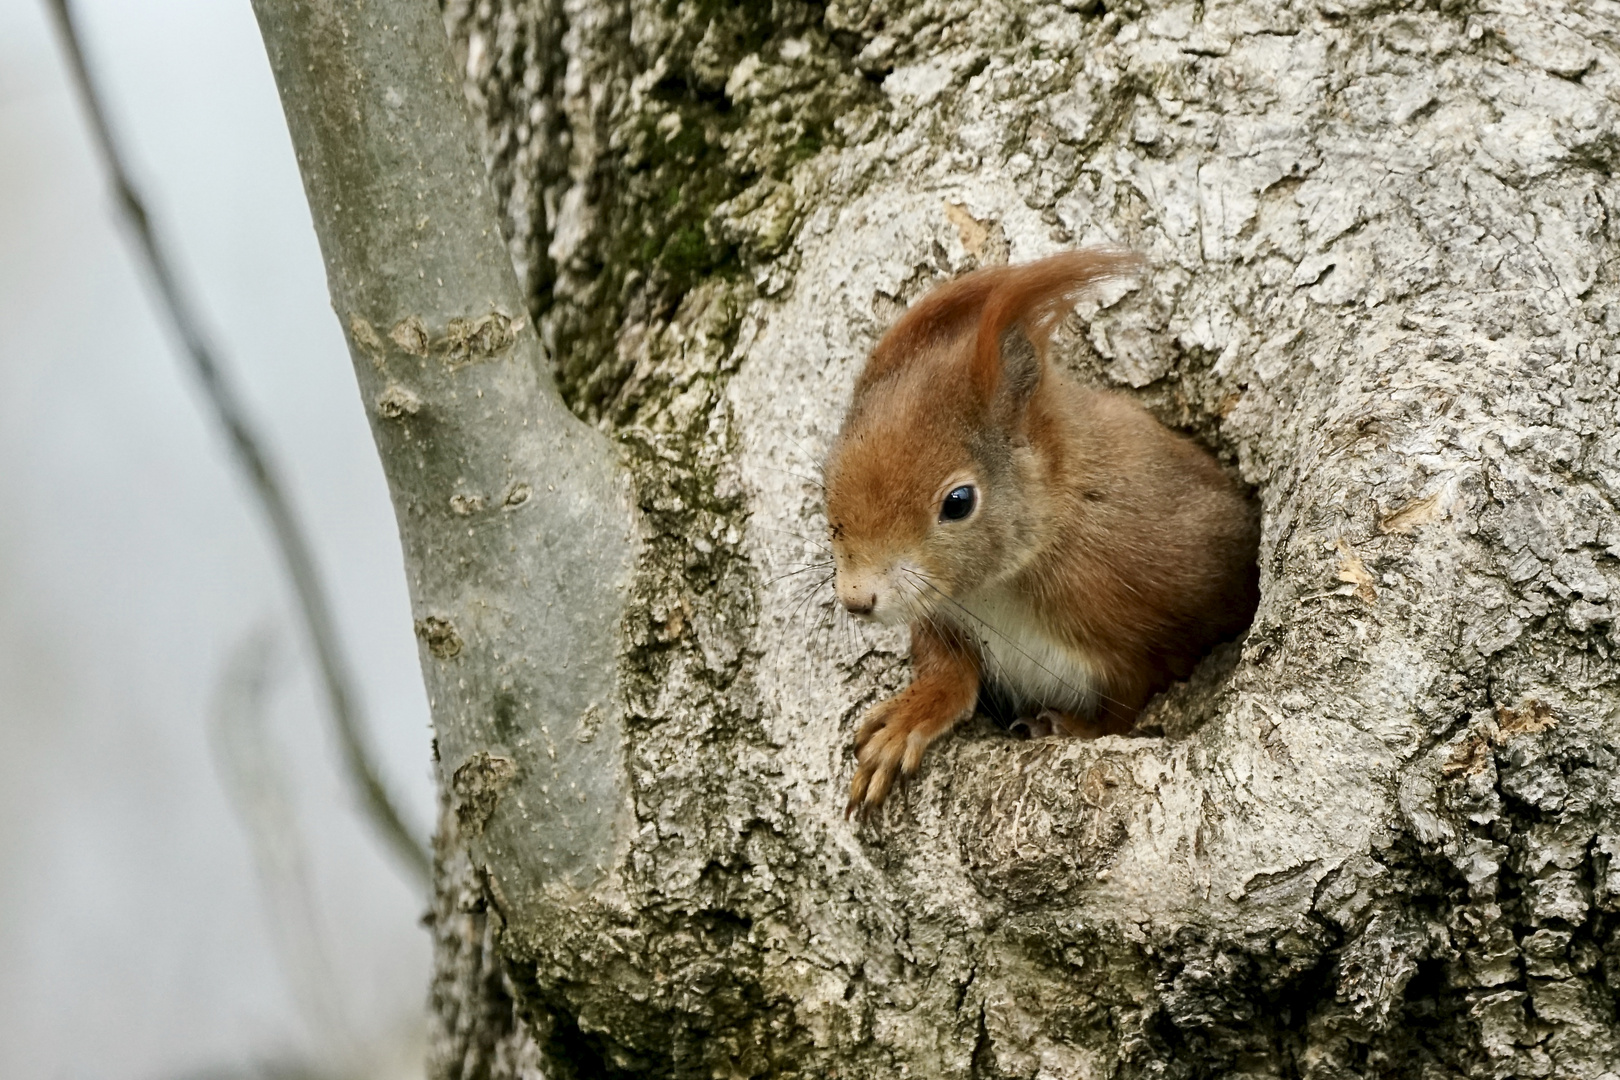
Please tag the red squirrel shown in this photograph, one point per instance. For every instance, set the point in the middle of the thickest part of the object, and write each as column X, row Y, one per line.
column 1052, row 540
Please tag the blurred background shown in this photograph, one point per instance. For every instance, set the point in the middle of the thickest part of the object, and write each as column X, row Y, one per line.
column 149, row 927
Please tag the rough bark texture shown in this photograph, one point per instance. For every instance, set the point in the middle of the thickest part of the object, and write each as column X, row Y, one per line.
column 1377, row 839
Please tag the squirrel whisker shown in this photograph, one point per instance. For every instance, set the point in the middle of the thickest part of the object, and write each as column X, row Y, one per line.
column 805, row 569
column 822, row 545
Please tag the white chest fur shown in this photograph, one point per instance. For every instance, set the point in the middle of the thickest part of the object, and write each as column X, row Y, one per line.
column 1023, row 660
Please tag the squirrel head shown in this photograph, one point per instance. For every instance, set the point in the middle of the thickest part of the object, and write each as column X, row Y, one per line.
column 937, row 482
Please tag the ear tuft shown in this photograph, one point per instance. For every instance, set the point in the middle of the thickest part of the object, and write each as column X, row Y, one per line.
column 944, row 314
column 1034, row 296
column 1032, row 299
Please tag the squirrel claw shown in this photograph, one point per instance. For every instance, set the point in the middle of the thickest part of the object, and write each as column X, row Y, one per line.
column 857, row 794
column 1038, row 726
column 1076, row 726
column 860, row 810
column 1055, row 722
column 883, row 753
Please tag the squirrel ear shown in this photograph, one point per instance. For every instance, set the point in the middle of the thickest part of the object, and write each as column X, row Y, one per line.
column 1028, row 302
column 1021, row 366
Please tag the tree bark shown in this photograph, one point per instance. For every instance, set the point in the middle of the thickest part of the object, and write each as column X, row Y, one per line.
column 514, row 516
column 1377, row 838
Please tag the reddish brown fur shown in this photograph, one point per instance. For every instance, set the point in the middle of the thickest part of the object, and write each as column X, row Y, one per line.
column 944, row 687
column 1119, row 540
column 1038, row 295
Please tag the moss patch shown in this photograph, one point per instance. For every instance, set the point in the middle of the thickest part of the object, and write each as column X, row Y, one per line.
column 716, row 99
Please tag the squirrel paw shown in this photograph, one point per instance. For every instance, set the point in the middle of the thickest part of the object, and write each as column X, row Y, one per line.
column 1050, row 722
column 1075, row 725
column 1038, row 726
column 887, row 746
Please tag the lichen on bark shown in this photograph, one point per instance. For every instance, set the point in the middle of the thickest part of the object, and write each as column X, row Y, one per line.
column 1377, row 840
column 680, row 145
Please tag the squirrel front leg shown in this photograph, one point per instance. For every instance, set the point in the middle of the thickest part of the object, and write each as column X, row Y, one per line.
column 896, row 731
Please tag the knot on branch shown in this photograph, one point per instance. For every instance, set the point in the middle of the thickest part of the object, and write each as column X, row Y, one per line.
column 439, row 636
column 467, row 341
column 409, row 334
column 396, row 402
column 477, row 785
column 464, row 341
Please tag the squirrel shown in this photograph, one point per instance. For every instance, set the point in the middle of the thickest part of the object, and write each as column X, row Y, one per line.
column 1053, row 541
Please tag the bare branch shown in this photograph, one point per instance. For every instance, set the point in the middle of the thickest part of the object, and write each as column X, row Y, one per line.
column 248, row 447
column 251, row 768
column 514, row 515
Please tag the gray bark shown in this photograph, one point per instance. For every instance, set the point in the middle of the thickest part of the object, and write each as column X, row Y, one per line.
column 1376, row 838
column 514, row 516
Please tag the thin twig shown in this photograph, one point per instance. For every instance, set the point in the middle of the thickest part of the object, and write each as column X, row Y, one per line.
column 248, row 448
column 250, row 766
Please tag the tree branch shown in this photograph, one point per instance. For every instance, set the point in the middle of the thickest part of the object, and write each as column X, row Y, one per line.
column 247, row 446
column 250, row 766
column 515, row 517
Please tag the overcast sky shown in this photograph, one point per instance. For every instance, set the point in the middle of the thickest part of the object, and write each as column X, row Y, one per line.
column 133, row 933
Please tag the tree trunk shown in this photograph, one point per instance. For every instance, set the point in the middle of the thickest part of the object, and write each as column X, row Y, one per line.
column 1376, row 839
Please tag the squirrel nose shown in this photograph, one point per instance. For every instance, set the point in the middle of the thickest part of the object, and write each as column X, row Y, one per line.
column 860, row 605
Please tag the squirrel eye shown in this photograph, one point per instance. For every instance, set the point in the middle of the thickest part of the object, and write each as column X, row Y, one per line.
column 958, row 504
